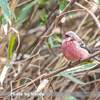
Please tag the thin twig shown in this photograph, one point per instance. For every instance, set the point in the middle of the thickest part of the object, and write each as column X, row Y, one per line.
column 44, row 76
column 91, row 96
column 82, row 79
column 51, row 85
column 36, row 49
column 88, row 11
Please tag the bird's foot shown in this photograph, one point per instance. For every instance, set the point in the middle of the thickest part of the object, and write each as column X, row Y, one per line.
column 80, row 60
column 69, row 64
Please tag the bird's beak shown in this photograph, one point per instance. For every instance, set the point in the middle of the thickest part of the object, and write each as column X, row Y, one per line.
column 63, row 36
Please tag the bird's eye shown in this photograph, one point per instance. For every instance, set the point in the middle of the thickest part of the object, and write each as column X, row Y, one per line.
column 68, row 36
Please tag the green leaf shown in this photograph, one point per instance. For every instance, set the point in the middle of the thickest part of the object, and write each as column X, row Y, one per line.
column 71, row 77
column 26, row 8
column 46, row 43
column 49, row 45
column 41, row 24
column 44, row 18
column 0, row 18
column 54, row 36
column 12, row 13
column 52, row 45
column 43, row 11
column 4, row 21
column 7, row 64
column 11, row 44
column 76, row 69
column 57, row 45
column 59, row 40
column 46, row 2
column 69, row 97
column 51, row 42
column 80, row 68
column 5, row 9
column 23, row 16
column 63, row 4
column 42, row 2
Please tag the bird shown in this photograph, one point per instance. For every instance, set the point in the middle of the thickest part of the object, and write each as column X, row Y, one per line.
column 73, row 48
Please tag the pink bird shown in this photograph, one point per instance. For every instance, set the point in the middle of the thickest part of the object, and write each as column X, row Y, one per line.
column 73, row 48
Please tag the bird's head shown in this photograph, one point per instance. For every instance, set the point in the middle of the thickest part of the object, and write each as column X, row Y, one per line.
column 71, row 36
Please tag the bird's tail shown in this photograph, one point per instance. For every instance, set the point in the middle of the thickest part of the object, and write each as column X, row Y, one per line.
column 96, row 58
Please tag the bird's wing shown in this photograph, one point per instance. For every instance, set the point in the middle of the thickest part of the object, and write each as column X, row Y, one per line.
column 85, row 47
column 81, row 45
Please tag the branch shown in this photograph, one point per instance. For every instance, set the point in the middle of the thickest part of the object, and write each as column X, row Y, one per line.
column 88, row 11
column 44, row 76
column 20, row 74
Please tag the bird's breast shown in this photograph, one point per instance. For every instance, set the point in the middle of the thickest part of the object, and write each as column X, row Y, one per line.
column 72, row 51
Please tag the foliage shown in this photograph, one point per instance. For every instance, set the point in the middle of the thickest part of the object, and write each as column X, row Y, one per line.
column 76, row 69
column 50, row 43
column 69, row 97
column 26, row 17
column 11, row 44
column 63, row 4
column 26, row 8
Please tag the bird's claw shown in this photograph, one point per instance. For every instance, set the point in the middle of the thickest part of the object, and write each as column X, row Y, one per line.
column 69, row 64
column 80, row 60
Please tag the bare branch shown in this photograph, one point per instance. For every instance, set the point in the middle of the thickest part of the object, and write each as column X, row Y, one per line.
column 92, row 15
column 20, row 74
column 44, row 76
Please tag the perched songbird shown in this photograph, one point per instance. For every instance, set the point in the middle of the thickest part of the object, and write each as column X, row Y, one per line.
column 73, row 48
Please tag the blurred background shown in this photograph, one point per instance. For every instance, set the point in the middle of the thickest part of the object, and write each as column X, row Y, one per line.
column 32, row 21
